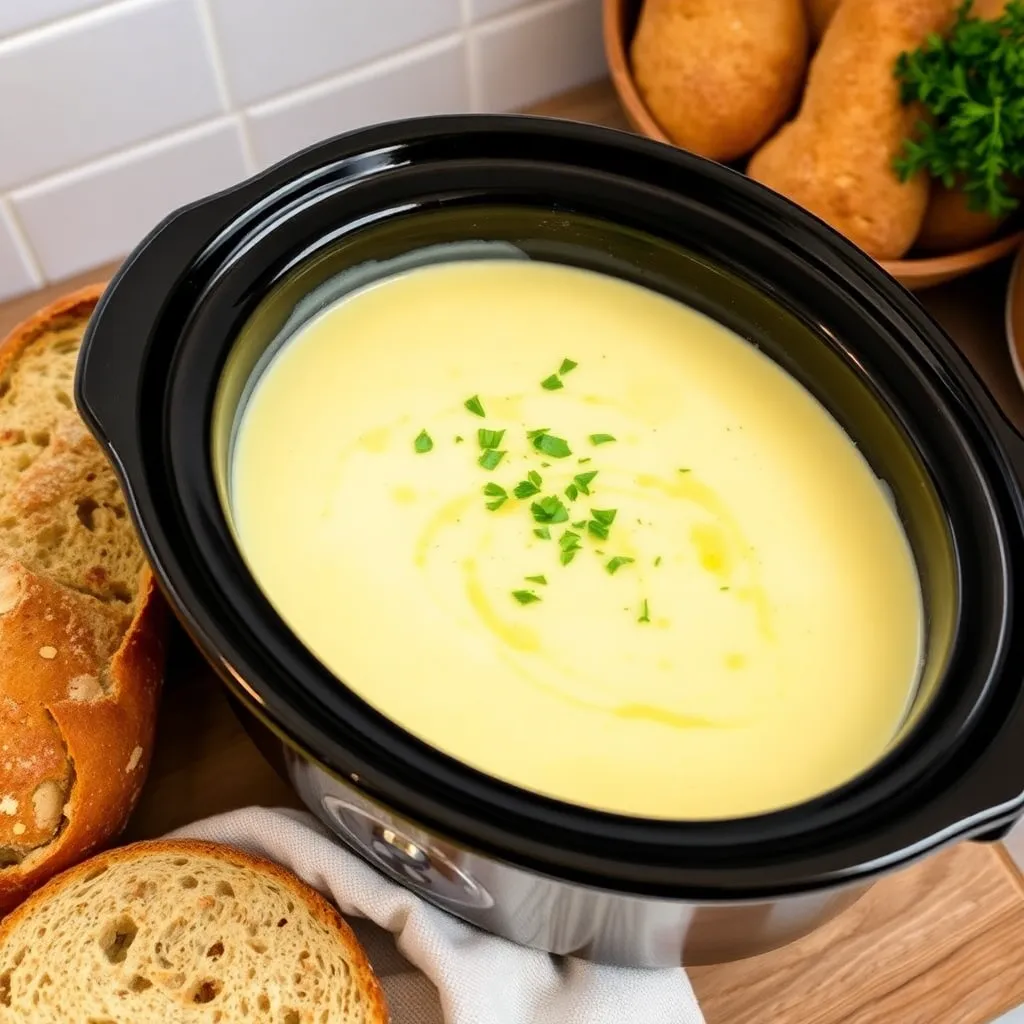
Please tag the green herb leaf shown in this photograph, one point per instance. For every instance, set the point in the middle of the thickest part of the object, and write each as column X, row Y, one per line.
column 543, row 532
column 458, row 439
column 475, row 406
column 723, row 588
column 569, row 540
column 531, row 434
column 498, row 493
column 423, row 443
column 684, row 471
column 552, row 383
column 582, row 461
column 490, row 459
column 617, row 563
column 645, row 612
column 525, row 596
column 542, row 580
column 605, row 516
column 598, row 530
column 968, row 82
column 572, row 492
column 583, row 480
column 567, row 556
column 601, row 438
column 556, row 447
column 567, row 365
column 489, row 438
column 534, row 477
column 549, row 510
column 657, row 561
column 525, row 489
column 580, row 524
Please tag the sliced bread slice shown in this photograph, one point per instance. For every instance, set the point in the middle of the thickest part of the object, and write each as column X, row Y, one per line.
column 183, row 931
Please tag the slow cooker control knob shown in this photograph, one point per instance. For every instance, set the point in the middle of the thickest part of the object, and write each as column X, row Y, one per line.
column 414, row 863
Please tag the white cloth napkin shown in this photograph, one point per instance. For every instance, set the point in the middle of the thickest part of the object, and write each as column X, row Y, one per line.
column 468, row 976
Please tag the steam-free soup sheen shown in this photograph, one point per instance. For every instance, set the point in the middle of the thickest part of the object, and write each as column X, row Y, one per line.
column 728, row 623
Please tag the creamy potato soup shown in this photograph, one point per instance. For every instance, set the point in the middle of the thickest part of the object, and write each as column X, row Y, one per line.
column 580, row 537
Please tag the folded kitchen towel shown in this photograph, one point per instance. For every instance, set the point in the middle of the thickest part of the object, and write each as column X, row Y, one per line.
column 459, row 974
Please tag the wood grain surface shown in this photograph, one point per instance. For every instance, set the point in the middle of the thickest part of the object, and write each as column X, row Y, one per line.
column 941, row 943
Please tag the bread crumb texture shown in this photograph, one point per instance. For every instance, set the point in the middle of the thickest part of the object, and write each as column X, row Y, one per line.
column 70, row 571
column 184, row 937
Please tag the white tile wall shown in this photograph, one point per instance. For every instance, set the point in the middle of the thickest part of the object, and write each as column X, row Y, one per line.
column 98, row 212
column 114, row 112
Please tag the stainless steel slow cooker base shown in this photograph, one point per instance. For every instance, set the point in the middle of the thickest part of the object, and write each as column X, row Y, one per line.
column 545, row 914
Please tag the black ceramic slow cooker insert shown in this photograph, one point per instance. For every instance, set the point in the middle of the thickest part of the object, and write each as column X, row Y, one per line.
column 180, row 333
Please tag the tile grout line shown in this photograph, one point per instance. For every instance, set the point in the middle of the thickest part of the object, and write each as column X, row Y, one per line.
column 472, row 66
column 115, row 157
column 220, row 76
column 103, row 10
column 21, row 242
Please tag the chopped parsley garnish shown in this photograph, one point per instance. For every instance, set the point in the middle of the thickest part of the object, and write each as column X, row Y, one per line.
column 587, row 459
column 542, row 580
column 543, row 532
column 549, row 510
column 475, row 406
column 601, row 438
column 489, row 438
column 552, row 383
column 617, row 563
column 596, row 529
column 529, row 487
column 583, row 481
column 423, row 443
column 459, row 439
column 556, row 447
column 723, row 588
column 605, row 516
column 569, row 542
column 580, row 524
column 645, row 612
column 657, row 561
column 684, row 471
column 567, row 365
column 498, row 493
column 525, row 596
column 572, row 492
column 490, row 458
column 531, row 434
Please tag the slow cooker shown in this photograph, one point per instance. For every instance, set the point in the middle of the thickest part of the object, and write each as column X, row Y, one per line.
column 180, row 334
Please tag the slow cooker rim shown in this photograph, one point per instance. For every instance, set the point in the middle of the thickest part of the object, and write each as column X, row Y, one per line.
column 446, row 124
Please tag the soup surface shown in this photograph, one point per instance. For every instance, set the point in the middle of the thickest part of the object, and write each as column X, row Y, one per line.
column 582, row 538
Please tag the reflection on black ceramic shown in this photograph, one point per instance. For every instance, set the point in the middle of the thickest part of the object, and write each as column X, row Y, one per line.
column 175, row 341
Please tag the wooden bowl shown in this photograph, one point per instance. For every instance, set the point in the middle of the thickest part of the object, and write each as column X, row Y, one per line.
column 620, row 17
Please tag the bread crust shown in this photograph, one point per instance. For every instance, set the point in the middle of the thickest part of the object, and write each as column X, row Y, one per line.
column 317, row 905
column 66, row 712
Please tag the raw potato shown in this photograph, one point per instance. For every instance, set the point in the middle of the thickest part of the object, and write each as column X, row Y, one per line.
column 949, row 224
column 836, row 157
column 720, row 75
column 820, row 12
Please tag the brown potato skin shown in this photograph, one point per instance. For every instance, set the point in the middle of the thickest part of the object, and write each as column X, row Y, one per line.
column 950, row 225
column 836, row 157
column 720, row 75
column 819, row 14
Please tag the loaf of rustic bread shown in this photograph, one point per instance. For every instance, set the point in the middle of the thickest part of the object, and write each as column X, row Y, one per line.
column 81, row 624
column 182, row 931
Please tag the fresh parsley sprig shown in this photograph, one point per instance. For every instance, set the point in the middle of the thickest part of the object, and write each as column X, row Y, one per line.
column 970, row 82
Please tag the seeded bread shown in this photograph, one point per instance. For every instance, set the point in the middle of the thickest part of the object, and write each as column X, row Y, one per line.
column 81, row 625
column 187, row 932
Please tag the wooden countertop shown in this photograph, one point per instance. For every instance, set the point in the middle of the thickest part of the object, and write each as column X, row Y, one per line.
column 937, row 944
